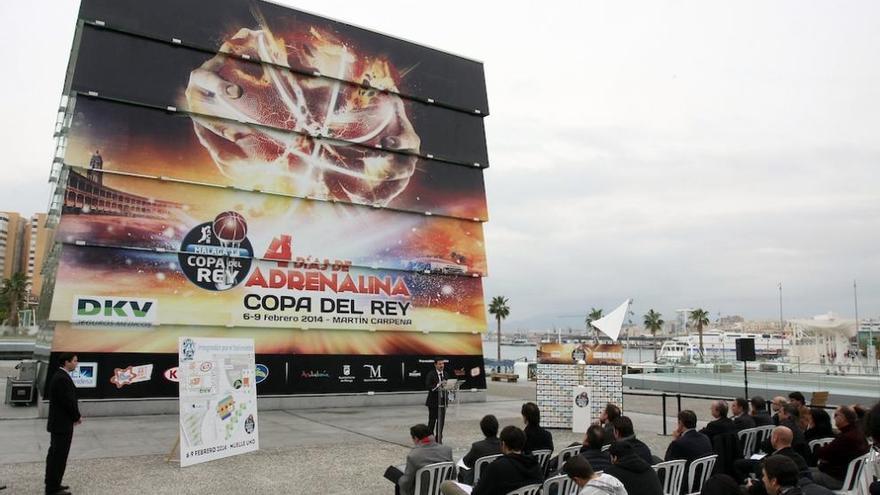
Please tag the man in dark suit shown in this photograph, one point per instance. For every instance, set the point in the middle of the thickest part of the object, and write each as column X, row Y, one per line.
column 592, row 448
column 789, row 417
column 488, row 446
column 688, row 443
column 721, row 424
column 514, row 470
column 780, row 438
column 759, row 411
column 63, row 415
column 741, row 419
column 433, row 382
column 835, row 457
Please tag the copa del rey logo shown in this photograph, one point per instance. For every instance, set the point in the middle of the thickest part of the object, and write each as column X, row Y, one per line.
column 105, row 309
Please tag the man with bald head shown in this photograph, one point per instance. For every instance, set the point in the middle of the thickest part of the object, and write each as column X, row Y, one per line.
column 781, row 438
column 721, row 424
column 835, row 457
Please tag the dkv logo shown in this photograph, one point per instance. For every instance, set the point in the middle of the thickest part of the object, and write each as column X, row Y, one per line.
column 103, row 309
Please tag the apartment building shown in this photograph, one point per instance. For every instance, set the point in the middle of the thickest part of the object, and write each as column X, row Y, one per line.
column 24, row 243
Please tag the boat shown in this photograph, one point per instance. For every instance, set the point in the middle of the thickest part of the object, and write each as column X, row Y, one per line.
column 719, row 345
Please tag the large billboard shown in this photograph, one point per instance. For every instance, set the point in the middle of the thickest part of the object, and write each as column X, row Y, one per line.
column 141, row 140
column 312, row 44
column 238, row 169
column 160, row 74
column 215, row 283
column 113, row 210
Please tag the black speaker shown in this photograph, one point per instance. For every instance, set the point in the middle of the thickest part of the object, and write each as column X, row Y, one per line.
column 745, row 349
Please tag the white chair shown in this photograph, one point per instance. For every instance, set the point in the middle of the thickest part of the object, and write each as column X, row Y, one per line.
column 748, row 439
column 481, row 464
column 527, row 490
column 543, row 456
column 428, row 478
column 819, row 442
column 854, row 483
column 671, row 473
column 699, row 472
column 562, row 483
column 566, row 454
column 763, row 434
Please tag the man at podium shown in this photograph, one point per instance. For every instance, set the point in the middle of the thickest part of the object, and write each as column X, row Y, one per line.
column 435, row 382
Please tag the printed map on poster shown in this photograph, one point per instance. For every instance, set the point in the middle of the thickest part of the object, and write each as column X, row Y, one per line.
column 218, row 399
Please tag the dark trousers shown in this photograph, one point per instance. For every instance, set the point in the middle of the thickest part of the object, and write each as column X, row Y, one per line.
column 56, row 459
column 436, row 422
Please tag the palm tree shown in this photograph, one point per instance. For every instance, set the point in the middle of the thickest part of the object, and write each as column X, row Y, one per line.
column 499, row 308
column 653, row 322
column 699, row 318
column 13, row 296
column 593, row 315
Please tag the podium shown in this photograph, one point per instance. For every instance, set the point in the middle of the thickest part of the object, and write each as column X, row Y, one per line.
column 447, row 392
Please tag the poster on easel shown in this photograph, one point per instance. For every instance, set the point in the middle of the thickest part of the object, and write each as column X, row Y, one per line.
column 218, row 399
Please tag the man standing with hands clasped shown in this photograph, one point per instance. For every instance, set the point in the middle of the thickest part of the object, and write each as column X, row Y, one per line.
column 434, row 382
column 63, row 415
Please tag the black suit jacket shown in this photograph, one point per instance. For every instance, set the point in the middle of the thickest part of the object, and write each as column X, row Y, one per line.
column 762, row 419
column 692, row 445
column 63, row 406
column 719, row 426
column 431, row 382
column 489, row 446
column 743, row 422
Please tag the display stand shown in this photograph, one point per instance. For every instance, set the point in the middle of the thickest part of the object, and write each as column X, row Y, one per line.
column 443, row 391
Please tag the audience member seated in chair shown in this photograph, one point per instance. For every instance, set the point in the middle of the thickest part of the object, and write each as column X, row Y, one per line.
column 488, row 446
column 797, row 399
column 426, row 451
column 780, row 438
column 687, row 443
column 779, row 475
column 512, row 470
column 721, row 424
column 741, row 418
column 624, row 432
column 835, row 457
column 759, row 412
column 873, row 429
column 537, row 438
column 817, row 424
column 637, row 476
column 606, row 420
column 776, row 405
column 589, row 483
column 592, row 449
column 789, row 417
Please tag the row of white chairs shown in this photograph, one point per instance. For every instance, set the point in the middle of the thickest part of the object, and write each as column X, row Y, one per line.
column 429, row 478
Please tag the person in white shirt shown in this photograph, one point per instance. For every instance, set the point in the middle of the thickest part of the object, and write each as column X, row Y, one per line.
column 589, row 482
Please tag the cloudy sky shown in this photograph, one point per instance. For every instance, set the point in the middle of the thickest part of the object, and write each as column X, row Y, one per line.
column 683, row 154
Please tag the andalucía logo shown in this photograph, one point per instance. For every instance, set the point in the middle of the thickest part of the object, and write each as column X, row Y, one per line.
column 217, row 255
column 262, row 372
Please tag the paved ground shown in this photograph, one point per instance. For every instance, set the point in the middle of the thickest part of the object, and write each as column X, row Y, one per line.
column 328, row 451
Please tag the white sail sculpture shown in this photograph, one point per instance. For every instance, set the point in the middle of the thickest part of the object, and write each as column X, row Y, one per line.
column 611, row 323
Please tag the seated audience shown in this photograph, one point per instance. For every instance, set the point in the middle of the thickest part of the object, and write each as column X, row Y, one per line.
column 720, row 484
column 797, row 399
column 721, row 424
column 776, row 405
column 537, row 438
column 741, row 418
column 688, row 443
column 788, row 417
column 780, row 476
column 834, row 458
column 426, row 451
column 873, row 430
column 589, row 483
column 488, row 446
column 592, row 448
column 512, row 470
column 624, row 432
column 606, row 419
column 781, row 439
column 636, row 475
column 818, row 424
column 759, row 411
